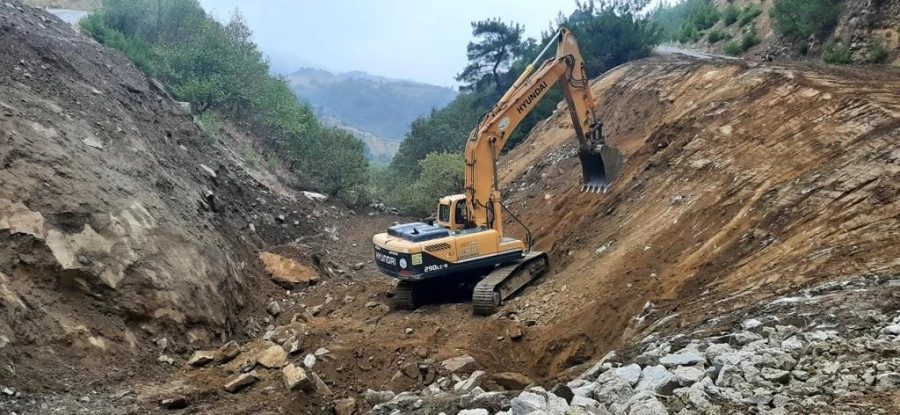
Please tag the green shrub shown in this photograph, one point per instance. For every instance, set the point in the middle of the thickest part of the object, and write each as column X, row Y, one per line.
column 804, row 18
column 717, row 35
column 835, row 53
column 878, row 53
column 730, row 15
column 250, row 156
column 749, row 14
column 749, row 39
column 209, row 124
column 733, row 49
column 137, row 50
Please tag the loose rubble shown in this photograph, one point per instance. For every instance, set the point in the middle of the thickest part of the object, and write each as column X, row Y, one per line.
column 789, row 358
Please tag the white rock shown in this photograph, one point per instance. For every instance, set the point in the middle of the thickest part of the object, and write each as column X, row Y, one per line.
column 474, row 412
column 688, row 375
column 322, row 351
column 888, row 380
column 377, row 397
column 527, row 403
column 792, row 344
column 717, row 349
column 658, row 380
column 464, row 363
column 645, row 403
column 744, row 337
column 631, row 373
column 309, row 361
column 315, row 196
column 751, row 324
column 471, row 383
column 583, row 402
column 617, row 391
column 556, row 405
column 682, row 359
column 893, row 330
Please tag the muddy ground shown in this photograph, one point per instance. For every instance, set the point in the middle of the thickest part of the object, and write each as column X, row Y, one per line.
column 742, row 182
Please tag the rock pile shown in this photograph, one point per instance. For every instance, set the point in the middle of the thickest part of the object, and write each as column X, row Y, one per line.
column 814, row 353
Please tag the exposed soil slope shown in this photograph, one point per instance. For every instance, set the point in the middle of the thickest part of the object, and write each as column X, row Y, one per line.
column 740, row 182
column 120, row 221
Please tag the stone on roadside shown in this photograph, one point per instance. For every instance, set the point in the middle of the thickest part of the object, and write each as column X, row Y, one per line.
column 685, row 358
column 176, row 402
column 631, row 373
column 288, row 273
column 615, row 391
column 688, row 375
column 658, row 380
column 892, row 330
column 479, row 411
column 273, row 357
column 511, row 381
column 378, row 397
column 751, row 324
column 227, row 352
column 888, row 381
column 273, row 308
column 527, row 402
column 459, row 364
column 320, row 386
column 201, row 357
column 345, row 406
column 473, row 381
column 241, row 381
column 563, row 391
column 295, row 377
column 309, row 361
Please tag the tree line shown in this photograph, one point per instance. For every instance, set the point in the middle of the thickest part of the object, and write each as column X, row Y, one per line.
column 223, row 74
column 429, row 164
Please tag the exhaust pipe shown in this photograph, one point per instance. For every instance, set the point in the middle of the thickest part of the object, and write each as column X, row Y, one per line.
column 599, row 167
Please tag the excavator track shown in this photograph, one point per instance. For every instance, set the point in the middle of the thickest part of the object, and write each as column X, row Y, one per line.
column 506, row 280
column 405, row 296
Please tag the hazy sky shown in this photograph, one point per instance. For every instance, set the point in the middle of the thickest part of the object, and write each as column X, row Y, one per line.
column 423, row 40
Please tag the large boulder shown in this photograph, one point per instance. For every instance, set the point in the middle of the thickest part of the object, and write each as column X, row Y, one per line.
column 684, row 358
column 658, row 380
column 288, row 273
column 273, row 357
column 295, row 378
column 615, row 391
column 459, row 364
column 526, row 403
column 631, row 373
column 511, row 381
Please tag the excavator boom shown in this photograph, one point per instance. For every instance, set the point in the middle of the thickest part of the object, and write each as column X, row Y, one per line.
column 600, row 163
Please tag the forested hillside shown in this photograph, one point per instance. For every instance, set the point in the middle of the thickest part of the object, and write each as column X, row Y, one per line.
column 377, row 110
column 833, row 31
column 219, row 70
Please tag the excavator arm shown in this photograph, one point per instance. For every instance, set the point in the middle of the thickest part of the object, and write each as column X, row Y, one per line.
column 600, row 163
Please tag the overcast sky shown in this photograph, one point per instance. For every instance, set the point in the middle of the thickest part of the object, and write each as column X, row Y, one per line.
column 422, row 40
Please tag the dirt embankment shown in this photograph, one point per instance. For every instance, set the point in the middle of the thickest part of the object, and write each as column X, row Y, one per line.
column 120, row 222
column 741, row 182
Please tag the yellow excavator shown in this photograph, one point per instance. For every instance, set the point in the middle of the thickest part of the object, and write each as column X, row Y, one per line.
column 465, row 241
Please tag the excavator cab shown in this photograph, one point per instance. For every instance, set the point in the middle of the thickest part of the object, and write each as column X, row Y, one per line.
column 452, row 212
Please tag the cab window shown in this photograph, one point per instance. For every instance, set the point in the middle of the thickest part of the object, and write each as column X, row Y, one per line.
column 444, row 213
column 460, row 213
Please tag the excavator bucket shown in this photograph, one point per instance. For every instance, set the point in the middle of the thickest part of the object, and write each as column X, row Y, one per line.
column 599, row 167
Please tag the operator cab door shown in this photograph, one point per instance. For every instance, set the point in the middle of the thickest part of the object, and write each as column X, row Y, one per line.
column 452, row 215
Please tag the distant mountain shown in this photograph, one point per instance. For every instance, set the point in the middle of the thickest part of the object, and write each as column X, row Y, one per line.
column 376, row 109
